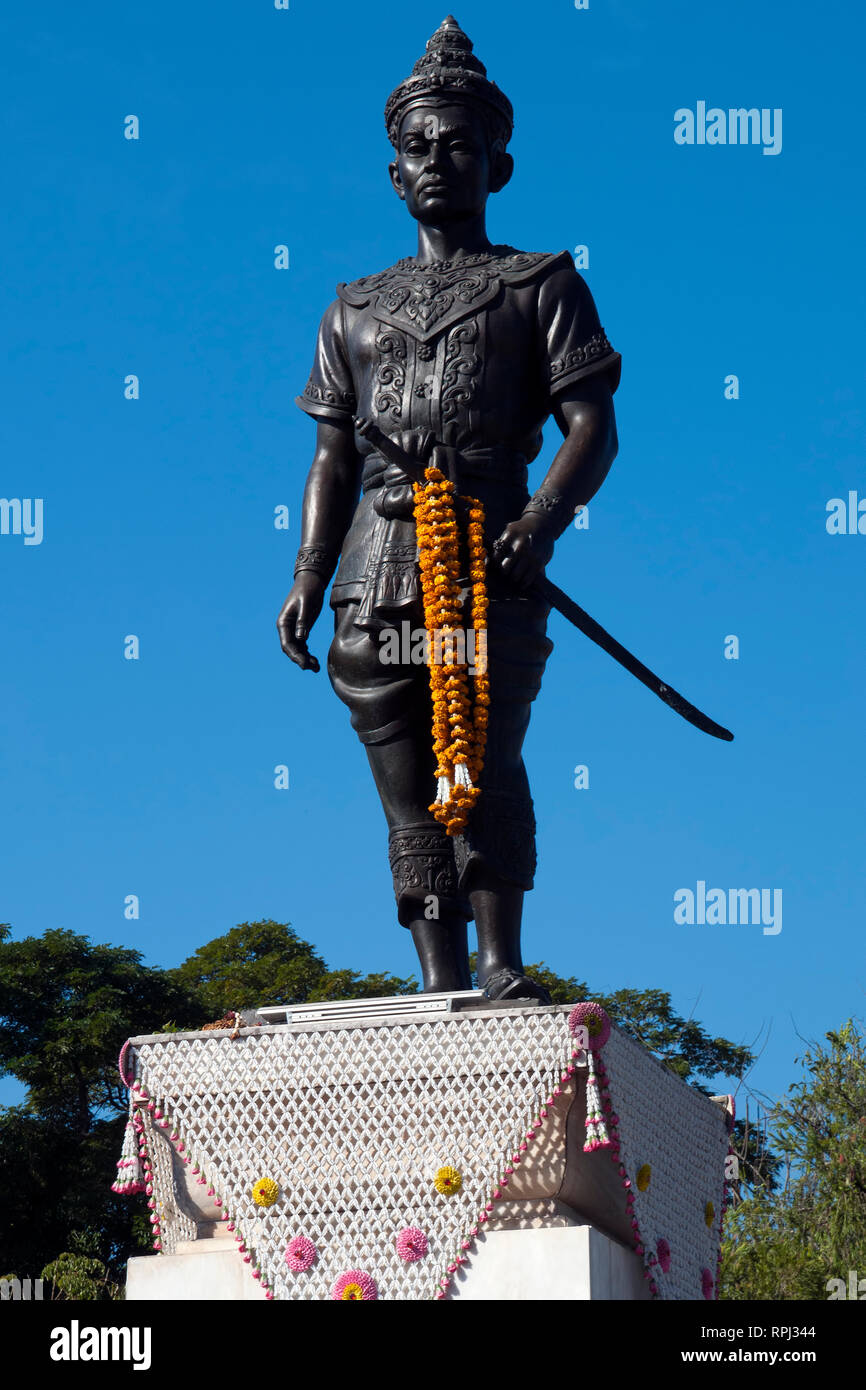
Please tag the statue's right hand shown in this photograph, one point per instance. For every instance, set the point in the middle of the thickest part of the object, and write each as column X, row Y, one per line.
column 297, row 616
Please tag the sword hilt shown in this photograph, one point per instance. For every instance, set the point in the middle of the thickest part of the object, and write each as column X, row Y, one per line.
column 414, row 468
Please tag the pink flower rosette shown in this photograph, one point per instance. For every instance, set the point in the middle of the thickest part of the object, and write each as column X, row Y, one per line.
column 355, row 1286
column 593, row 1018
column 412, row 1244
column 300, row 1254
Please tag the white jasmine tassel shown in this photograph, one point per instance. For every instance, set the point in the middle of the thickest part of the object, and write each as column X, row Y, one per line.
column 596, row 1129
column 443, row 791
column 461, row 775
column 129, row 1178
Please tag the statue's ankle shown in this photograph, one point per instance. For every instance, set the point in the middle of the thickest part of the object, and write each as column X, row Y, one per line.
column 442, row 954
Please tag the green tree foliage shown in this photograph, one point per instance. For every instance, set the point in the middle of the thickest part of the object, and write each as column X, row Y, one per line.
column 266, row 962
column 786, row 1244
column 66, row 1007
column 681, row 1043
column 79, row 1278
column 759, row 1166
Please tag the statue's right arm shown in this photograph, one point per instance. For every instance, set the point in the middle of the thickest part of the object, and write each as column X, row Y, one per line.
column 330, row 496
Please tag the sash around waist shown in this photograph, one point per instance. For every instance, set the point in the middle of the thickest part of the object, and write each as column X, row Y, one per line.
column 379, row 562
column 497, row 463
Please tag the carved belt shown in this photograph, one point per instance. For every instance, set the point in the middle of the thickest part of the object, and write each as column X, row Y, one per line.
column 392, row 578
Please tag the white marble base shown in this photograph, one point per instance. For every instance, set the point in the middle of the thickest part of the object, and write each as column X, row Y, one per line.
column 555, row 1265
column 209, row 1271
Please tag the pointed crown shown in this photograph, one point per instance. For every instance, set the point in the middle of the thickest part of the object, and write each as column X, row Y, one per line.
column 449, row 68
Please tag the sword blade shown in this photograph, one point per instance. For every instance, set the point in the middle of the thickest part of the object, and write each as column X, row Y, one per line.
column 596, row 633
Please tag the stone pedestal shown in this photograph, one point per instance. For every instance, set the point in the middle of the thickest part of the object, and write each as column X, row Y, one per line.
column 461, row 1122
column 552, row 1264
column 199, row 1270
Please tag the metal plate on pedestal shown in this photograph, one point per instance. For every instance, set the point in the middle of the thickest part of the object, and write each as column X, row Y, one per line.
column 370, row 1010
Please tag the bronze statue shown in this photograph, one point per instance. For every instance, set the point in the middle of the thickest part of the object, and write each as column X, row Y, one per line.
column 472, row 346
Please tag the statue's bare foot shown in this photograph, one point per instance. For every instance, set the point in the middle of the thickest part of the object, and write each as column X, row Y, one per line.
column 511, row 984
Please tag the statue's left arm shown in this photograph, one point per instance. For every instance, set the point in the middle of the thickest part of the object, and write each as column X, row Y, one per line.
column 583, row 372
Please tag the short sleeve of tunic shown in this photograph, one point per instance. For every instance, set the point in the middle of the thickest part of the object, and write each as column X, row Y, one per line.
column 330, row 393
column 573, row 341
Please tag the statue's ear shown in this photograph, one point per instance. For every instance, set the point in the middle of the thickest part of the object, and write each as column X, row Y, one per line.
column 501, row 167
column 394, row 171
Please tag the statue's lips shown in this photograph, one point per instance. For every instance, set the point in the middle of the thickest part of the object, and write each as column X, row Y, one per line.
column 435, row 188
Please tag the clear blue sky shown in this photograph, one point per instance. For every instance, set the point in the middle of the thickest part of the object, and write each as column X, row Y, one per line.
column 155, row 257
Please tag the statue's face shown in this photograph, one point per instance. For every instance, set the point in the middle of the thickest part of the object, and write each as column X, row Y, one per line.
column 444, row 169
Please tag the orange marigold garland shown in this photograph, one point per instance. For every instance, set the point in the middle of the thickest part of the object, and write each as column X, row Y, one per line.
column 459, row 724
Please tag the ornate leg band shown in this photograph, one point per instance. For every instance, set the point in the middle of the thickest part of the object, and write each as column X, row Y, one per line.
column 422, row 863
column 501, row 837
